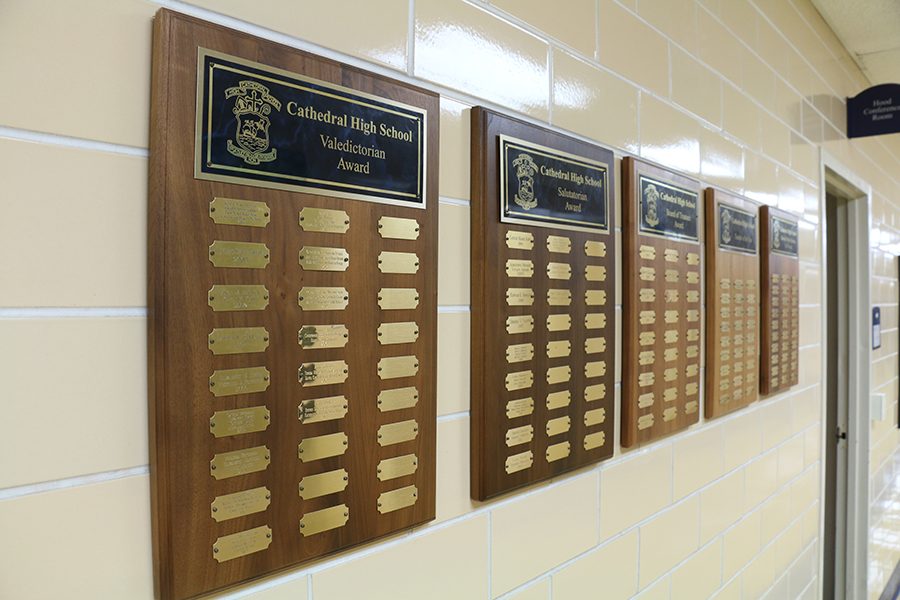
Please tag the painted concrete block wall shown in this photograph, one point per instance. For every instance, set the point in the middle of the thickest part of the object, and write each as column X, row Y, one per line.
column 739, row 93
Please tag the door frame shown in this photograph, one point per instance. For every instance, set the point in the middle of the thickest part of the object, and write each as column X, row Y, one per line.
column 834, row 173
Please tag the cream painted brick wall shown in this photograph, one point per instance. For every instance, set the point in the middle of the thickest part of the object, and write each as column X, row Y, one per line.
column 740, row 93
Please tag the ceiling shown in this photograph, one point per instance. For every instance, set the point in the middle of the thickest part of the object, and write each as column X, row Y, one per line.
column 870, row 30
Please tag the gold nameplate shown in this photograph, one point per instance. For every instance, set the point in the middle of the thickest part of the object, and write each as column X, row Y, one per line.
column 398, row 333
column 230, row 382
column 671, row 295
column 597, row 249
column 519, row 240
column 400, row 466
column 595, row 369
column 558, row 374
column 322, row 336
column 324, row 520
column 398, row 262
column 646, row 379
column 647, row 317
column 594, row 392
column 594, row 321
column 239, row 504
column 559, row 297
column 323, row 446
column 671, row 336
column 691, row 407
column 670, row 394
column 595, row 297
column 519, row 408
column 317, row 258
column 230, row 211
column 396, row 433
column 519, row 380
column 322, row 409
column 672, row 276
column 240, row 420
column 323, row 298
column 670, row 413
column 559, row 244
column 557, row 270
column 322, row 373
column 558, row 425
column 238, row 255
column 238, row 297
column 725, row 283
column 397, row 499
column 520, row 296
column 516, row 267
column 594, row 440
column 693, row 277
column 559, row 323
column 645, row 422
column 693, row 258
column 239, row 462
column 558, row 451
column 398, row 298
column 519, row 353
column 647, row 295
column 559, row 399
column 395, row 228
column 692, row 351
column 595, row 273
column 520, row 324
column 693, row 316
column 691, row 389
column 670, row 354
column 693, row 335
column 242, row 543
column 647, row 274
column 647, row 338
column 594, row 417
column 238, row 340
column 725, row 312
column 324, row 220
column 398, row 398
column 519, row 462
column 519, row 435
column 671, row 316
column 647, row 252
column 693, row 296
column 647, row 357
column 646, row 400
column 558, row 349
column 322, row 484
column 594, row 345
column 670, row 374
column 672, row 255
column 398, row 366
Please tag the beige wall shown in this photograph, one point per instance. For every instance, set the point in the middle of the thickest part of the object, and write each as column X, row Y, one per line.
column 738, row 93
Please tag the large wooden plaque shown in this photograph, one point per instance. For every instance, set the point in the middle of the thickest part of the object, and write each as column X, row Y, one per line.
column 292, row 304
column 780, row 274
column 662, row 286
column 732, row 303
column 543, row 304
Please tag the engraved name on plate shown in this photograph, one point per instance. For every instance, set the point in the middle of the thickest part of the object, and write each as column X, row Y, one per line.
column 517, row 267
column 519, row 352
column 519, row 380
column 230, row 211
column 238, row 421
column 519, row 240
column 398, row 366
column 397, row 228
column 247, row 380
column 239, row 462
column 519, row 435
column 398, row 333
column 520, row 324
column 398, row 262
column 238, row 255
column 238, row 297
column 520, row 296
column 397, row 399
column 519, row 408
column 239, row 544
column 556, row 270
column 324, row 220
column 322, row 484
column 238, row 340
column 519, row 462
column 318, row 258
column 595, row 249
column 398, row 298
column 324, row 520
column 323, row 446
column 559, row 244
column 559, row 297
column 397, row 499
column 399, row 466
column 322, row 336
column 323, row 298
column 396, row 433
column 322, row 373
column 322, row 409
column 239, row 504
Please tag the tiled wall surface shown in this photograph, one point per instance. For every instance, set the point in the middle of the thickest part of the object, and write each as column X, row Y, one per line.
column 739, row 93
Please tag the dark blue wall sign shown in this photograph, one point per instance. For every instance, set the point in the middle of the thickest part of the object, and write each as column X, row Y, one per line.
column 667, row 210
column 540, row 185
column 874, row 111
column 784, row 236
column 258, row 125
column 737, row 229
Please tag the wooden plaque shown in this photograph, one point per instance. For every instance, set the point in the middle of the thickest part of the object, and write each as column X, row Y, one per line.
column 732, row 302
column 277, row 178
column 662, row 287
column 543, row 304
column 780, row 280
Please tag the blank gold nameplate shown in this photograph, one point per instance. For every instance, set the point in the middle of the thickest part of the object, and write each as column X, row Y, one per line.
column 670, row 354
column 323, row 336
column 322, row 484
column 238, row 297
column 671, row 336
column 647, row 317
column 559, row 244
column 519, row 353
column 324, row 220
column 557, row 270
column 322, row 373
column 239, row 504
column 519, row 240
column 230, row 382
column 558, row 425
column 230, row 211
column 519, row 380
column 670, row 413
column 672, row 275
column 242, row 543
column 693, row 335
column 324, row 520
column 398, row 262
column 240, row 420
column 516, row 267
column 645, row 422
column 672, row 255
column 519, row 435
column 238, row 255
column 671, row 295
column 519, row 408
column 558, row 451
column 670, row 394
column 396, row 433
column 647, row 295
column 725, row 312
column 520, row 324
column 520, row 296
column 239, row 462
column 396, row 228
column 597, row 249
column 647, row 252
column 725, row 283
column 559, row 297
column 670, row 374
column 671, row 316
column 647, row 338
column 323, row 298
column 594, row 440
column 594, row 321
column 238, row 340
column 398, row 333
column 559, row 399
column 691, row 407
column 691, row 389
column 322, row 409
column 558, row 349
column 399, row 466
column 693, row 316
column 316, row 258
column 595, row 369
column 646, row 357
column 594, row 392
column 647, row 274
column 397, row 499
column 692, row 351
column 693, row 277
column 693, row 296
column 595, row 297
column 594, row 417
column 323, row 446
column 559, row 323
column 558, row 374
column 595, row 273
column 397, row 399
column 594, row 345
column 646, row 379
column 693, row 258
column 398, row 366
column 519, row 462
column 646, row 400
column 398, row 298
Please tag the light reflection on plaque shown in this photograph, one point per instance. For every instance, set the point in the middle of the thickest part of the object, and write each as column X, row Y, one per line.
column 239, row 544
column 323, row 446
column 396, row 433
column 397, row 228
column 324, row 520
column 397, row 399
column 323, row 298
column 322, row 336
column 230, row 211
column 399, row 466
column 398, row 298
column 247, row 380
column 238, row 255
column 317, row 258
column 223, row 298
column 239, row 421
column 322, row 484
column 322, row 409
column 239, row 462
column 324, row 220
column 398, row 262
column 397, row 499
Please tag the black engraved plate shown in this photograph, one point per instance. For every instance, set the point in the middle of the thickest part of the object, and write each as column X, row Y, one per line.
column 667, row 210
column 737, row 229
column 784, row 236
